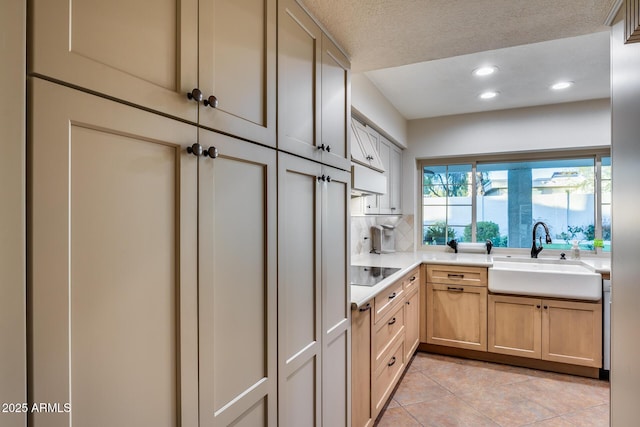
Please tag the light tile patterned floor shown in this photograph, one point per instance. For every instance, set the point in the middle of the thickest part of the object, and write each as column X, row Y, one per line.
column 447, row 391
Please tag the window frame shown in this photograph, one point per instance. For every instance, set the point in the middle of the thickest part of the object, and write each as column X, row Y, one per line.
column 597, row 154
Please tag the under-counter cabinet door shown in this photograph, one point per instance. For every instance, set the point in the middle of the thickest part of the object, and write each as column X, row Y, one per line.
column 336, row 297
column 361, row 384
column 457, row 316
column 412, row 323
column 572, row 332
column 299, row 291
column 237, row 68
column 113, row 263
column 142, row 52
column 299, row 70
column 237, row 282
column 514, row 325
column 336, row 106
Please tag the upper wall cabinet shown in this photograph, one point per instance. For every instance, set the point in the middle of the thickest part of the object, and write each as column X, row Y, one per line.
column 365, row 150
column 313, row 90
column 151, row 54
column 336, row 106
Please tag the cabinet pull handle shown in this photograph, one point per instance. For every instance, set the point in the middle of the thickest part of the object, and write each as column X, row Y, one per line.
column 211, row 101
column 328, row 178
column 211, row 152
column 413, row 278
column 321, row 147
column 393, row 295
column 328, row 148
column 450, row 288
column 538, row 306
column 366, row 307
column 322, row 178
column 393, row 209
column 459, row 276
column 195, row 149
column 546, row 307
column 408, row 302
column 196, row 95
column 392, row 361
column 392, row 321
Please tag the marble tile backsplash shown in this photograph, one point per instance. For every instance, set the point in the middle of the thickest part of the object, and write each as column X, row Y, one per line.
column 361, row 232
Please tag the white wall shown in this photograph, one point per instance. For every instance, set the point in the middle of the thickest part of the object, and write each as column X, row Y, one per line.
column 585, row 124
column 625, row 252
column 369, row 102
column 13, row 357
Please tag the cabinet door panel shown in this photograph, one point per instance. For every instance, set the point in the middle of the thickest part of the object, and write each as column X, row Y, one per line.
column 237, row 305
column 299, row 291
column 237, row 61
column 142, row 53
column 113, row 272
column 412, row 323
column 336, row 106
column 514, row 326
column 361, row 367
column 457, row 316
column 572, row 332
column 298, row 81
column 384, row 149
column 395, row 180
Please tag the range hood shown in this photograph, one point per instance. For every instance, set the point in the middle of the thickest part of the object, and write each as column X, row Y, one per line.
column 366, row 181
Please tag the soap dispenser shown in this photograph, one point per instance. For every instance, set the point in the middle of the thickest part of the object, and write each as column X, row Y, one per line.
column 575, row 250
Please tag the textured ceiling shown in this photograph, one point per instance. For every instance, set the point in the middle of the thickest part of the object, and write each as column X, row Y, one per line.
column 387, row 33
column 525, row 73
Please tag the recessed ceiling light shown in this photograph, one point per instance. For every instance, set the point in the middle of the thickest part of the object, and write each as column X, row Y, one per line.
column 488, row 95
column 561, row 85
column 485, row 71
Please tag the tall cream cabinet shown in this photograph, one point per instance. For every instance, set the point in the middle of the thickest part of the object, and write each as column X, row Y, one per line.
column 134, row 245
column 314, row 101
column 152, row 54
column 313, row 294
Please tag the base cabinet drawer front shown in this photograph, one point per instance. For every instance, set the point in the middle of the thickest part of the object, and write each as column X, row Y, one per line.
column 411, row 281
column 386, row 377
column 458, row 275
column 387, row 299
column 457, row 316
column 514, row 326
column 572, row 332
column 386, row 332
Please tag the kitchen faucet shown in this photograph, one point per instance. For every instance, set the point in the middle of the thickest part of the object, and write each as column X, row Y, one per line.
column 535, row 250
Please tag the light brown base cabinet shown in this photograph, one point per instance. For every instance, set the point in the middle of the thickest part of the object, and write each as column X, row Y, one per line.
column 553, row 330
column 385, row 334
column 457, row 306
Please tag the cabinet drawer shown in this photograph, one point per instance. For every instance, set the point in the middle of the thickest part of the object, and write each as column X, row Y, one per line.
column 411, row 281
column 385, row 333
column 457, row 275
column 386, row 377
column 387, row 299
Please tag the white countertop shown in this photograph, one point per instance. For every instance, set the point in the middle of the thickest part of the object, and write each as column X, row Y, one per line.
column 406, row 261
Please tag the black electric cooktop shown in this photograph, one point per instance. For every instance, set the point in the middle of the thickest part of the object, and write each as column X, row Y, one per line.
column 370, row 276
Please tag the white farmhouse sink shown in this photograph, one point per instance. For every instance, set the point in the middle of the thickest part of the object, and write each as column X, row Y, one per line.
column 545, row 278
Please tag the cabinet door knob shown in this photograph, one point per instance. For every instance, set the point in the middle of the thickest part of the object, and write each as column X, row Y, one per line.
column 195, row 149
column 211, row 101
column 392, row 321
column 196, row 95
column 546, row 307
column 408, row 302
column 211, row 152
column 538, row 306
column 321, row 147
column 392, row 361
